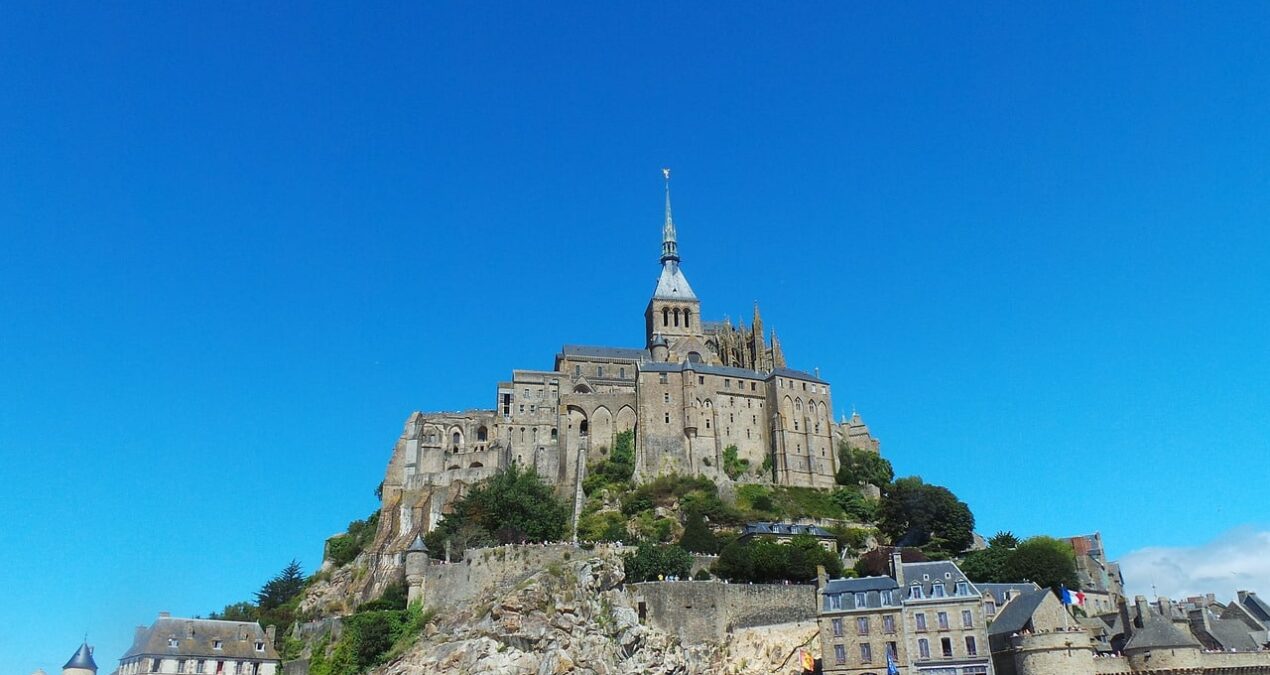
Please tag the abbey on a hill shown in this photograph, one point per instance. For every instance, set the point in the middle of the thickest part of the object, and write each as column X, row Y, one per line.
column 694, row 389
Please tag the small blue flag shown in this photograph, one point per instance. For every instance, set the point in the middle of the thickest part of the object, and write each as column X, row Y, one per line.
column 891, row 668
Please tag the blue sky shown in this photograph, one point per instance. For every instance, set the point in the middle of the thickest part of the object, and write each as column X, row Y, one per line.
column 239, row 243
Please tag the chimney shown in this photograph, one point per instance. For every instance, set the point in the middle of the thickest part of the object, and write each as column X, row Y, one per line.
column 897, row 566
column 822, row 576
column 1144, row 609
column 271, row 632
column 189, row 629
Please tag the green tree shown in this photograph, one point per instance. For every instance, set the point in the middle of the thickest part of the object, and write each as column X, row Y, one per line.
column 988, row 565
column 281, row 588
column 914, row 513
column 239, row 611
column 1004, row 539
column 856, row 505
column 650, row 562
column 1047, row 561
column 697, row 536
column 732, row 465
column 513, row 505
column 877, row 563
column 856, row 466
column 617, row 469
column 764, row 560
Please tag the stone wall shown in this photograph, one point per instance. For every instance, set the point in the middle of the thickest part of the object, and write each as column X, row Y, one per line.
column 485, row 570
column 708, row 611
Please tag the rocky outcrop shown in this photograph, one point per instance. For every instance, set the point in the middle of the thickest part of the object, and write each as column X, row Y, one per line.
column 572, row 617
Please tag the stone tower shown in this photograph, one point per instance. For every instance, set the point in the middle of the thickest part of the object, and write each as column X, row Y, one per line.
column 674, row 312
column 416, row 568
column 82, row 662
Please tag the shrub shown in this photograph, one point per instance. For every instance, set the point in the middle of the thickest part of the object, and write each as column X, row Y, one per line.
column 651, row 561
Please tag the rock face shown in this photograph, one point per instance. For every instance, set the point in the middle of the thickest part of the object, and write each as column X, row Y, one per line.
column 572, row 617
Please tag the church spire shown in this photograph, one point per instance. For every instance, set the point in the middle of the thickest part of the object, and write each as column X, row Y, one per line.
column 669, row 245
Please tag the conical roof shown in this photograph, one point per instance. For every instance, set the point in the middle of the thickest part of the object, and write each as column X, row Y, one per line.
column 418, row 545
column 83, row 658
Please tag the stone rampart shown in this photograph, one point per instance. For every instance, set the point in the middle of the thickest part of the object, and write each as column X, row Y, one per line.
column 708, row 611
column 485, row 570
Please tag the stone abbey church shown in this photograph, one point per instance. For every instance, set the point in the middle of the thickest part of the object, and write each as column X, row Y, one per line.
column 694, row 389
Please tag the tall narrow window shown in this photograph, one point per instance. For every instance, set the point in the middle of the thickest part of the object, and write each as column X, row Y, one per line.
column 676, row 317
column 946, row 645
column 923, row 648
column 971, row 648
column 665, row 316
column 687, row 318
column 866, row 653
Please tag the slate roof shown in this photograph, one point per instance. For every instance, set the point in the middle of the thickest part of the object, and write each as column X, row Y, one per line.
column 1258, row 607
column 672, row 284
column 1159, row 633
column 83, row 658
column 155, row 640
column 1232, row 634
column 872, row 587
column 796, row 374
column 1016, row 615
column 624, row 353
column 998, row 591
column 727, row 370
column 784, row 529
column 935, row 572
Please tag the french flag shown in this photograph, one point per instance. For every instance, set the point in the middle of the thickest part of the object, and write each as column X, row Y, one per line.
column 1072, row 597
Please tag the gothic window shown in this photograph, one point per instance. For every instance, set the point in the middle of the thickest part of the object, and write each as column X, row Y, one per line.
column 694, row 357
column 582, row 428
column 798, row 405
column 458, row 438
column 522, row 434
column 535, row 432
column 553, row 433
column 482, row 433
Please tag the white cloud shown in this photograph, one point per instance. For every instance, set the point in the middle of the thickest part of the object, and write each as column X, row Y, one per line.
column 1236, row 560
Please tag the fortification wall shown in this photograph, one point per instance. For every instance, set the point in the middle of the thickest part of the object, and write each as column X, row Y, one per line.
column 708, row 611
column 485, row 570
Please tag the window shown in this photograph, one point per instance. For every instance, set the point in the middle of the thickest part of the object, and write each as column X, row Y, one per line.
column 676, row 316
column 238, row 667
column 840, row 654
column 662, row 378
column 482, row 434
column 260, row 646
column 727, row 384
column 667, row 418
column 833, row 601
column 688, row 318
column 921, row 621
column 943, row 620
column 916, row 592
column 861, row 599
column 967, row 619
column 701, row 379
column 217, row 644
column 971, row 648
column 945, row 645
column 577, row 370
column 599, row 371
column 866, row 653
column 553, row 433
column 621, row 373
column 888, row 598
column 862, row 625
column 990, row 608
column 936, row 590
column 666, row 397
column 888, row 624
column 665, row 316
column 180, row 666
column 201, row 667
column 173, row 642
column 753, row 386
column 837, row 627
column 963, row 588
column 893, row 650
column 582, row 428
column 923, row 648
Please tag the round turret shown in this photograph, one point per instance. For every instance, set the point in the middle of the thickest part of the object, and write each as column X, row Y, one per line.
column 1056, row 653
column 416, row 569
column 660, row 349
column 1160, row 645
column 81, row 663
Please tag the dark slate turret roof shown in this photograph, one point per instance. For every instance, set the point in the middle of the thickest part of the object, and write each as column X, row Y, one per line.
column 418, row 545
column 83, row 658
column 1159, row 633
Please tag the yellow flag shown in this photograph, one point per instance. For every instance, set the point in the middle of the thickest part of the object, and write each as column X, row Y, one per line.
column 809, row 663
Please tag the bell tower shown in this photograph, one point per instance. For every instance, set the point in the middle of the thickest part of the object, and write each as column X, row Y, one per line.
column 674, row 312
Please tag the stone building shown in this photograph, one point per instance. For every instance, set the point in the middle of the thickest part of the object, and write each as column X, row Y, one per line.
column 693, row 389
column 201, row 647
column 927, row 617
column 1033, row 636
column 1100, row 579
